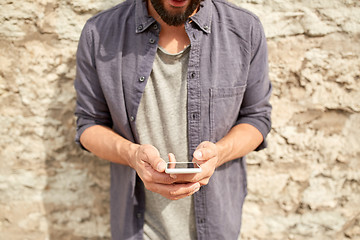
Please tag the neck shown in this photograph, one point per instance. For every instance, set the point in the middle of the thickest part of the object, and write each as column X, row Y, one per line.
column 172, row 38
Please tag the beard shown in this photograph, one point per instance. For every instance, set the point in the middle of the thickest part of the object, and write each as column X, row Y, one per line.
column 174, row 19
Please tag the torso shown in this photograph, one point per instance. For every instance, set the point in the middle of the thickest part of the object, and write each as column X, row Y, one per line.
column 162, row 122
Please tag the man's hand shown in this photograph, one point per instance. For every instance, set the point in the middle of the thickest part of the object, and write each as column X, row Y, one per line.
column 206, row 155
column 151, row 169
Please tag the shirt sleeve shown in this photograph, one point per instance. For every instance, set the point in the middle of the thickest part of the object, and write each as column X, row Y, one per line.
column 256, row 108
column 91, row 107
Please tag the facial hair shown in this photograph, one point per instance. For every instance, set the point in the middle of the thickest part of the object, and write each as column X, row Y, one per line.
column 174, row 19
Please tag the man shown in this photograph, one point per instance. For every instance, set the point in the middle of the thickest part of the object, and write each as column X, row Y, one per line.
column 185, row 80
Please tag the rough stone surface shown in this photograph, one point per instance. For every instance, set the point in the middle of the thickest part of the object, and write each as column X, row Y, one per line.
column 306, row 185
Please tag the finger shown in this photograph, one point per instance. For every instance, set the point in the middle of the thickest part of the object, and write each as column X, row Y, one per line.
column 178, row 191
column 183, row 189
column 172, row 157
column 202, row 178
column 171, row 164
column 204, row 181
column 187, row 178
column 172, row 160
column 183, row 195
column 152, row 176
column 207, row 170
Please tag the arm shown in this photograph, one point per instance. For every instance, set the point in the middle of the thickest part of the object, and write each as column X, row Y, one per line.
column 108, row 145
column 240, row 140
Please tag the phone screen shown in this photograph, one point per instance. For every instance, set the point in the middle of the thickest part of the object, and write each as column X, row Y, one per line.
column 182, row 167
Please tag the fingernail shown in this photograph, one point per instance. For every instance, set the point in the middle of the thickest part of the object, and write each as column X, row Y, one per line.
column 198, row 154
column 173, row 176
column 160, row 167
column 171, row 156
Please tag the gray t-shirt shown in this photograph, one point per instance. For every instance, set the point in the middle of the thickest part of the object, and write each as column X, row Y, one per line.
column 162, row 122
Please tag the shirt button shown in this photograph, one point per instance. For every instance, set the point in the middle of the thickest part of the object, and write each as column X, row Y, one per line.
column 151, row 40
column 155, row 26
column 132, row 118
column 206, row 27
column 140, row 27
column 141, row 79
column 194, row 36
column 194, row 116
column 193, row 75
column 138, row 215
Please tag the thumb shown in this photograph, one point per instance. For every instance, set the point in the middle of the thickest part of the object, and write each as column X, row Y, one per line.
column 153, row 158
column 205, row 151
column 198, row 155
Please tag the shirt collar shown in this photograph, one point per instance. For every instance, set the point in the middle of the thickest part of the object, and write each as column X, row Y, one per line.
column 142, row 19
column 202, row 18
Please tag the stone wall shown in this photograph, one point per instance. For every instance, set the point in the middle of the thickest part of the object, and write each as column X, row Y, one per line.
column 306, row 185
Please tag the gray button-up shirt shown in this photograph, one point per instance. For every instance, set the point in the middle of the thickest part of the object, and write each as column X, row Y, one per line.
column 227, row 85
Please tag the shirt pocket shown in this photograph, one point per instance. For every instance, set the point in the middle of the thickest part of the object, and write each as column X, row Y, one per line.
column 224, row 111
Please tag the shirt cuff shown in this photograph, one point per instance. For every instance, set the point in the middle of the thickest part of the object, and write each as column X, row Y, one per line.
column 261, row 124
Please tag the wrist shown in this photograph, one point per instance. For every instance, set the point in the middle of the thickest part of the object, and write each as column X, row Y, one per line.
column 221, row 153
column 132, row 154
column 127, row 151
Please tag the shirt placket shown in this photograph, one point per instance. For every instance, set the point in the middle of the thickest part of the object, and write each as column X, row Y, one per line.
column 193, row 115
column 150, row 39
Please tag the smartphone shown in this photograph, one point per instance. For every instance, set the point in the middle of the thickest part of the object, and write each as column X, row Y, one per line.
column 182, row 167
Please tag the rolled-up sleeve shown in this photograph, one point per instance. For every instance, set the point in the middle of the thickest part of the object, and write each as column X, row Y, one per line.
column 256, row 108
column 91, row 106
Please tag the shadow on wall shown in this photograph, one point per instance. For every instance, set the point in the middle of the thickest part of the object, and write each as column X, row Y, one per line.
column 76, row 197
